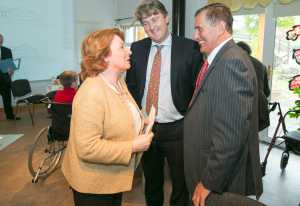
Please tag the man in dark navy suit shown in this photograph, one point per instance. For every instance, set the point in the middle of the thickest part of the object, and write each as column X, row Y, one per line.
column 5, row 83
column 163, row 71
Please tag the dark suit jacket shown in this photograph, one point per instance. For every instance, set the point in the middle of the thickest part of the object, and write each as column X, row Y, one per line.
column 186, row 61
column 262, row 76
column 5, row 54
column 220, row 129
column 263, row 93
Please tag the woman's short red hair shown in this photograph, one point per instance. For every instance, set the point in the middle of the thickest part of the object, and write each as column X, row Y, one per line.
column 95, row 47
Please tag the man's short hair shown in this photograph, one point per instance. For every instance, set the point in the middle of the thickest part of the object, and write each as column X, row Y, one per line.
column 217, row 12
column 148, row 8
column 245, row 47
column 67, row 78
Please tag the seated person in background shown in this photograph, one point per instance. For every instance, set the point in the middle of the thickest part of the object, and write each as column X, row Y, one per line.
column 68, row 80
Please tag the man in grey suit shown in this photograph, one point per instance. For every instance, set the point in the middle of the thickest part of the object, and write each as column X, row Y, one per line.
column 221, row 148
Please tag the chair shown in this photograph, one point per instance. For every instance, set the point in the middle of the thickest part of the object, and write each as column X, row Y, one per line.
column 21, row 91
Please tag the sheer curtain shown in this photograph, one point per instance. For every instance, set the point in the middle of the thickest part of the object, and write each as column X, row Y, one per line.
column 236, row 5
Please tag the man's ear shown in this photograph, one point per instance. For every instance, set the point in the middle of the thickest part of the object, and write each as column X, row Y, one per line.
column 167, row 19
column 221, row 28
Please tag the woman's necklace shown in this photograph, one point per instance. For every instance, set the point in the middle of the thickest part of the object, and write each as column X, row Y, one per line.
column 117, row 87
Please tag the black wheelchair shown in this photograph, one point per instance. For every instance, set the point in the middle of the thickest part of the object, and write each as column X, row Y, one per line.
column 50, row 142
column 291, row 139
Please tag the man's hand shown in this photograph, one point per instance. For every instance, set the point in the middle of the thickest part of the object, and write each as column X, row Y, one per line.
column 200, row 195
column 10, row 72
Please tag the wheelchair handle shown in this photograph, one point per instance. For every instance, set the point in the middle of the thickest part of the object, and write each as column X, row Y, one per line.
column 274, row 105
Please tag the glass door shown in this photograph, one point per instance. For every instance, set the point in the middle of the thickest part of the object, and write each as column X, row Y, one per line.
column 284, row 68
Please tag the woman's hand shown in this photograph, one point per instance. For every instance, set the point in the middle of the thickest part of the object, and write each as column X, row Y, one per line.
column 142, row 142
column 146, row 121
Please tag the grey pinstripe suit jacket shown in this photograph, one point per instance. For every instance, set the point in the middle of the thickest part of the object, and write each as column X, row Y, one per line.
column 220, row 128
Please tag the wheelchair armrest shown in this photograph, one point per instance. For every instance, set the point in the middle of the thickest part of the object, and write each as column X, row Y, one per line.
column 45, row 100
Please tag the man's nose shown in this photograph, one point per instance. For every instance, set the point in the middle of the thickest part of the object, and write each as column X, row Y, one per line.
column 129, row 51
column 151, row 26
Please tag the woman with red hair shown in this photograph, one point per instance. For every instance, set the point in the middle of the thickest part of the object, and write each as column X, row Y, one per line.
column 105, row 140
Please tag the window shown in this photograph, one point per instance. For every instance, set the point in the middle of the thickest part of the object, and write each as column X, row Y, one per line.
column 284, row 68
column 133, row 32
column 246, row 28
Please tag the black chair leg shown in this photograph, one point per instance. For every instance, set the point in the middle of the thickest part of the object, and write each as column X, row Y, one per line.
column 33, row 110
column 17, row 110
column 30, row 113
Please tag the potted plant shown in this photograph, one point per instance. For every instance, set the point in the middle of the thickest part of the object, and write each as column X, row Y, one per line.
column 294, row 85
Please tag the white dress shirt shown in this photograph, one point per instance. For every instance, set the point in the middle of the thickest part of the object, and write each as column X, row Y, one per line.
column 167, row 111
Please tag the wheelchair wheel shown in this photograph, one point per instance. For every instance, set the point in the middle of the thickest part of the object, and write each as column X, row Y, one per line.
column 284, row 160
column 44, row 155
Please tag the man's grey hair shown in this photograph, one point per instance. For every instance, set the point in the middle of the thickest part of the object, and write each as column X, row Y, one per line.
column 148, row 8
column 217, row 12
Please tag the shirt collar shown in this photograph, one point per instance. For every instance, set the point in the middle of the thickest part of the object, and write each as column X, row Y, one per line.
column 215, row 51
column 166, row 42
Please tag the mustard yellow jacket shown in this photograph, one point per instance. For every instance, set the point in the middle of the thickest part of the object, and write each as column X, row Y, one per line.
column 98, row 158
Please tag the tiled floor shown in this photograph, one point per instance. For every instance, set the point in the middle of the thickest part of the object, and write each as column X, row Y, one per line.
column 16, row 189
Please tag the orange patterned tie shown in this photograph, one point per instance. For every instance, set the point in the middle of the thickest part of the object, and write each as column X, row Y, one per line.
column 153, row 86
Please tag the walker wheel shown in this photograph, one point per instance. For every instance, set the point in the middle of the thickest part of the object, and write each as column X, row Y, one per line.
column 284, row 160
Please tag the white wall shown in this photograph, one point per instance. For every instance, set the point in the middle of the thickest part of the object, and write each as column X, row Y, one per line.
column 41, row 33
column 92, row 15
column 47, row 34
column 191, row 7
column 126, row 9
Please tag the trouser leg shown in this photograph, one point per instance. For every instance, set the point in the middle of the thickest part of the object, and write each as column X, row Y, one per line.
column 6, row 98
column 153, row 167
column 174, row 155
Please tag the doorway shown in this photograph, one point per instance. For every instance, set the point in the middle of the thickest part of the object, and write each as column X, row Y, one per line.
column 284, row 68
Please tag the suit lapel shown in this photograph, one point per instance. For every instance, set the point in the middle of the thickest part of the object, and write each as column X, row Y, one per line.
column 212, row 66
column 143, row 57
column 174, row 57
